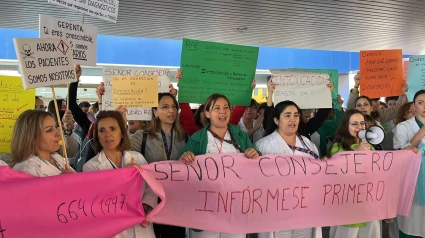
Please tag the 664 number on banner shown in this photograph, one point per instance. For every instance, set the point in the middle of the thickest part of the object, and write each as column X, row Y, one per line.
column 97, row 207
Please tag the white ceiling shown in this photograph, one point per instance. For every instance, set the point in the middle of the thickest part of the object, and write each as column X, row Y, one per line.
column 348, row 25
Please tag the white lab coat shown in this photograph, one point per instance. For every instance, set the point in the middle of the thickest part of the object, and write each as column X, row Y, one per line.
column 100, row 162
column 372, row 230
column 415, row 223
column 2, row 163
column 274, row 144
column 258, row 135
column 40, row 168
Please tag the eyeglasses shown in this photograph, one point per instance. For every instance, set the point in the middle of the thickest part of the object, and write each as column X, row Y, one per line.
column 364, row 105
column 356, row 124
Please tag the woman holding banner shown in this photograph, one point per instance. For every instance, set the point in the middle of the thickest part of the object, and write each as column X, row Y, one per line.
column 112, row 144
column 346, row 140
column 364, row 104
column 163, row 139
column 410, row 134
column 286, row 140
column 217, row 137
column 35, row 141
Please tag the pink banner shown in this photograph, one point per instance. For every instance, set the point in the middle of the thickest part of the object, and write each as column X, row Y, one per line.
column 232, row 194
column 95, row 204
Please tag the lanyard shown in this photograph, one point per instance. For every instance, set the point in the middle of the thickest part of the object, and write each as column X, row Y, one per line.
column 54, row 161
column 113, row 165
column 307, row 151
column 232, row 140
column 167, row 151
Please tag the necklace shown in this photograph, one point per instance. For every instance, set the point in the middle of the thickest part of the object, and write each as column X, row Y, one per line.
column 221, row 146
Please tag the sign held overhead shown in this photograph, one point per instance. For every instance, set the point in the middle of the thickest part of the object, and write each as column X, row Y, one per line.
column 104, row 9
column 44, row 62
column 82, row 37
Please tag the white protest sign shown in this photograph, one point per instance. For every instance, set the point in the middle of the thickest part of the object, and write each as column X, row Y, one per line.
column 133, row 113
column 307, row 89
column 44, row 62
column 82, row 37
column 104, row 9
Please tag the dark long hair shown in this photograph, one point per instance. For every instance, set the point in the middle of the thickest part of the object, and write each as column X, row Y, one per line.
column 402, row 111
column 374, row 115
column 198, row 115
column 51, row 108
column 343, row 136
column 278, row 109
column 211, row 100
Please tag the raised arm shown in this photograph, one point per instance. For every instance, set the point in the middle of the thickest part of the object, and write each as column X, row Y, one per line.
column 79, row 116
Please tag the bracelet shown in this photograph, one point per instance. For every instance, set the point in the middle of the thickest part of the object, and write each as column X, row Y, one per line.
column 99, row 103
column 355, row 87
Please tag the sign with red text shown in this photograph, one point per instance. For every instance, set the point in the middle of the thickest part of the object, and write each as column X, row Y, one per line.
column 381, row 73
column 70, row 205
column 44, row 62
column 138, row 113
column 301, row 87
column 82, row 37
column 234, row 194
column 14, row 101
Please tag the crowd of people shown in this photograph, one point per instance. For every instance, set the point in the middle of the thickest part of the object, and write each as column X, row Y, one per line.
column 103, row 140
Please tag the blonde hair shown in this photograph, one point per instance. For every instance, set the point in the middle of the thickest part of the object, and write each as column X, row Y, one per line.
column 26, row 134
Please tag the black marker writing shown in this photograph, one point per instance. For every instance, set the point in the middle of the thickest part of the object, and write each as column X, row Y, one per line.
column 77, row 208
column 2, row 231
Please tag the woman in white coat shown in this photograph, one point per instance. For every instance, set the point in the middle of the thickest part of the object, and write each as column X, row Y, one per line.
column 112, row 144
column 286, row 140
column 35, row 141
column 410, row 134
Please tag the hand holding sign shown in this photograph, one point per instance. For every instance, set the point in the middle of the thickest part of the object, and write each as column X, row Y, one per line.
column 187, row 157
column 172, row 90
column 251, row 153
column 67, row 170
column 271, row 86
column 131, row 164
column 357, row 80
column 78, row 71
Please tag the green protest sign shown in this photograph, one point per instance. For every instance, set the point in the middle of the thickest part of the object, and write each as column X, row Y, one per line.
column 333, row 76
column 210, row 67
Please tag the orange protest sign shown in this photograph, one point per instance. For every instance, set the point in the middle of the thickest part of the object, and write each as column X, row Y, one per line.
column 135, row 91
column 381, row 73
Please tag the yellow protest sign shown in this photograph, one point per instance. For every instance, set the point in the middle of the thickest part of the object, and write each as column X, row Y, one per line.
column 135, row 91
column 14, row 100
